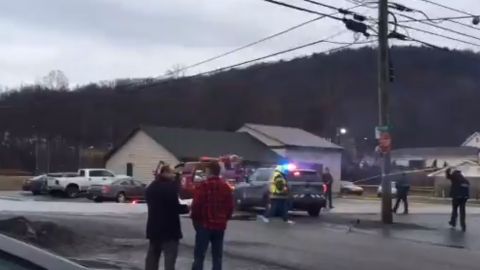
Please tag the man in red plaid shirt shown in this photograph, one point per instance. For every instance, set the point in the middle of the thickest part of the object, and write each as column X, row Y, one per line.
column 212, row 207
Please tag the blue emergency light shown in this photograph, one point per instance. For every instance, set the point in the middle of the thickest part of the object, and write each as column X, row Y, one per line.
column 287, row 167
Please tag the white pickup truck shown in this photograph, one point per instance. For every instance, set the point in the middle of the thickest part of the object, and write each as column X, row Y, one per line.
column 73, row 185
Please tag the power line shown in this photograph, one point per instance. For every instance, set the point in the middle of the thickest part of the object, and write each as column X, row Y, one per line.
column 442, row 18
column 447, row 19
column 403, row 37
column 303, row 9
column 253, row 43
column 440, row 27
column 447, row 7
column 325, row 40
column 355, row 25
column 263, row 39
column 435, row 34
column 356, row 16
column 426, row 31
column 393, row 23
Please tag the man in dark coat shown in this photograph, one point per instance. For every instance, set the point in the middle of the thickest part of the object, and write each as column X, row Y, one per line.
column 459, row 191
column 403, row 187
column 328, row 181
column 163, row 224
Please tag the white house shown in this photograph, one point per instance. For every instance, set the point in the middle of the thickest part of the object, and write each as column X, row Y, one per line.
column 298, row 145
column 473, row 140
column 139, row 154
column 433, row 156
column 469, row 169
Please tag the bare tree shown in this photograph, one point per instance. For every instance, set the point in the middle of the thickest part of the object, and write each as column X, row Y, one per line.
column 56, row 80
column 176, row 71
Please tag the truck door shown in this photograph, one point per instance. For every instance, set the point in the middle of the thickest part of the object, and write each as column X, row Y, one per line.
column 259, row 186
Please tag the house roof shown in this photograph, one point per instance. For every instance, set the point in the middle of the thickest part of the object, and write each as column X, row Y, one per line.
column 435, row 151
column 193, row 143
column 470, row 138
column 290, row 136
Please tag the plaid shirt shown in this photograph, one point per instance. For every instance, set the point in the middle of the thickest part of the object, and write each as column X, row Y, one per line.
column 212, row 204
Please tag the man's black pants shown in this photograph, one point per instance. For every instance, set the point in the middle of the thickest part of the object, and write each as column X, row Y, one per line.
column 401, row 196
column 329, row 196
column 458, row 203
column 170, row 251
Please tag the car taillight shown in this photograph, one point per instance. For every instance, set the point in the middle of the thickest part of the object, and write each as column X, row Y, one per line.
column 325, row 188
column 106, row 189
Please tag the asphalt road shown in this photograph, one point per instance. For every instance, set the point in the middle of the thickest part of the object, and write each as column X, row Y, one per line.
column 333, row 241
column 349, row 237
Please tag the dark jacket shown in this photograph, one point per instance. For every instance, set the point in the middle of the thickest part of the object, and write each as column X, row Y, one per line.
column 163, row 222
column 327, row 179
column 402, row 185
column 460, row 188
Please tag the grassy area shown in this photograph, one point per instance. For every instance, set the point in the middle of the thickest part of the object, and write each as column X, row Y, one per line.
column 11, row 182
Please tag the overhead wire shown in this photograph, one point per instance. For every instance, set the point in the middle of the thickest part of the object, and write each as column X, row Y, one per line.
column 324, row 40
column 447, row 7
column 446, row 19
column 439, row 27
column 263, row 39
column 426, row 31
column 303, row 9
column 441, row 18
column 422, row 30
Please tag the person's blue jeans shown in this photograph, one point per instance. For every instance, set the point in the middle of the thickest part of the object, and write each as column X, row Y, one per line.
column 278, row 207
column 203, row 238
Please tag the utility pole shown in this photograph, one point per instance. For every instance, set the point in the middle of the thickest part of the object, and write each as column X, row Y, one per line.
column 383, row 107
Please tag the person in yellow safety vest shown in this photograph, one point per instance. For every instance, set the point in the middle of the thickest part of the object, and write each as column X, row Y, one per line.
column 279, row 197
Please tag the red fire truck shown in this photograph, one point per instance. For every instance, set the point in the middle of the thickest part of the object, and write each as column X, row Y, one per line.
column 192, row 173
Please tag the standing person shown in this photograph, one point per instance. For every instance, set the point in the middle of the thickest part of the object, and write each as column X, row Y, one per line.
column 328, row 180
column 212, row 207
column 459, row 191
column 163, row 224
column 278, row 197
column 403, row 187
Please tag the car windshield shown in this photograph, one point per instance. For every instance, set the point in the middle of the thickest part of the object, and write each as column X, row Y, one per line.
column 10, row 262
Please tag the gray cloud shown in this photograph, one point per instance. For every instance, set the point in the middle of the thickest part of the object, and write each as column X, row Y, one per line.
column 122, row 23
column 93, row 40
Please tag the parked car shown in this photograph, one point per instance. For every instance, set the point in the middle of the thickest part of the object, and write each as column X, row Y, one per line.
column 119, row 191
column 81, row 182
column 347, row 187
column 306, row 190
column 394, row 190
column 37, row 185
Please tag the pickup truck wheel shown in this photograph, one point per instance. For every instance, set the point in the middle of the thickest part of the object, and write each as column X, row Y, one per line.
column 314, row 211
column 72, row 191
column 121, row 198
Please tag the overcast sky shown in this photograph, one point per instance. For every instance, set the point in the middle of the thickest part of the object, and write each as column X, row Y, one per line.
column 95, row 40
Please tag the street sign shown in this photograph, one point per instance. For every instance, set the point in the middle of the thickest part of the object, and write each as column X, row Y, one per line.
column 379, row 130
column 385, row 142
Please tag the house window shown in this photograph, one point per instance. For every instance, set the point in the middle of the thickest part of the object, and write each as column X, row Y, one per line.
column 477, row 139
column 130, row 169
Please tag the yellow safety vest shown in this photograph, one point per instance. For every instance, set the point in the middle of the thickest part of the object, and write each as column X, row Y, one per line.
column 278, row 186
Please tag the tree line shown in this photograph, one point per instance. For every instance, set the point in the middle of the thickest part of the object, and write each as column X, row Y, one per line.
column 433, row 101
